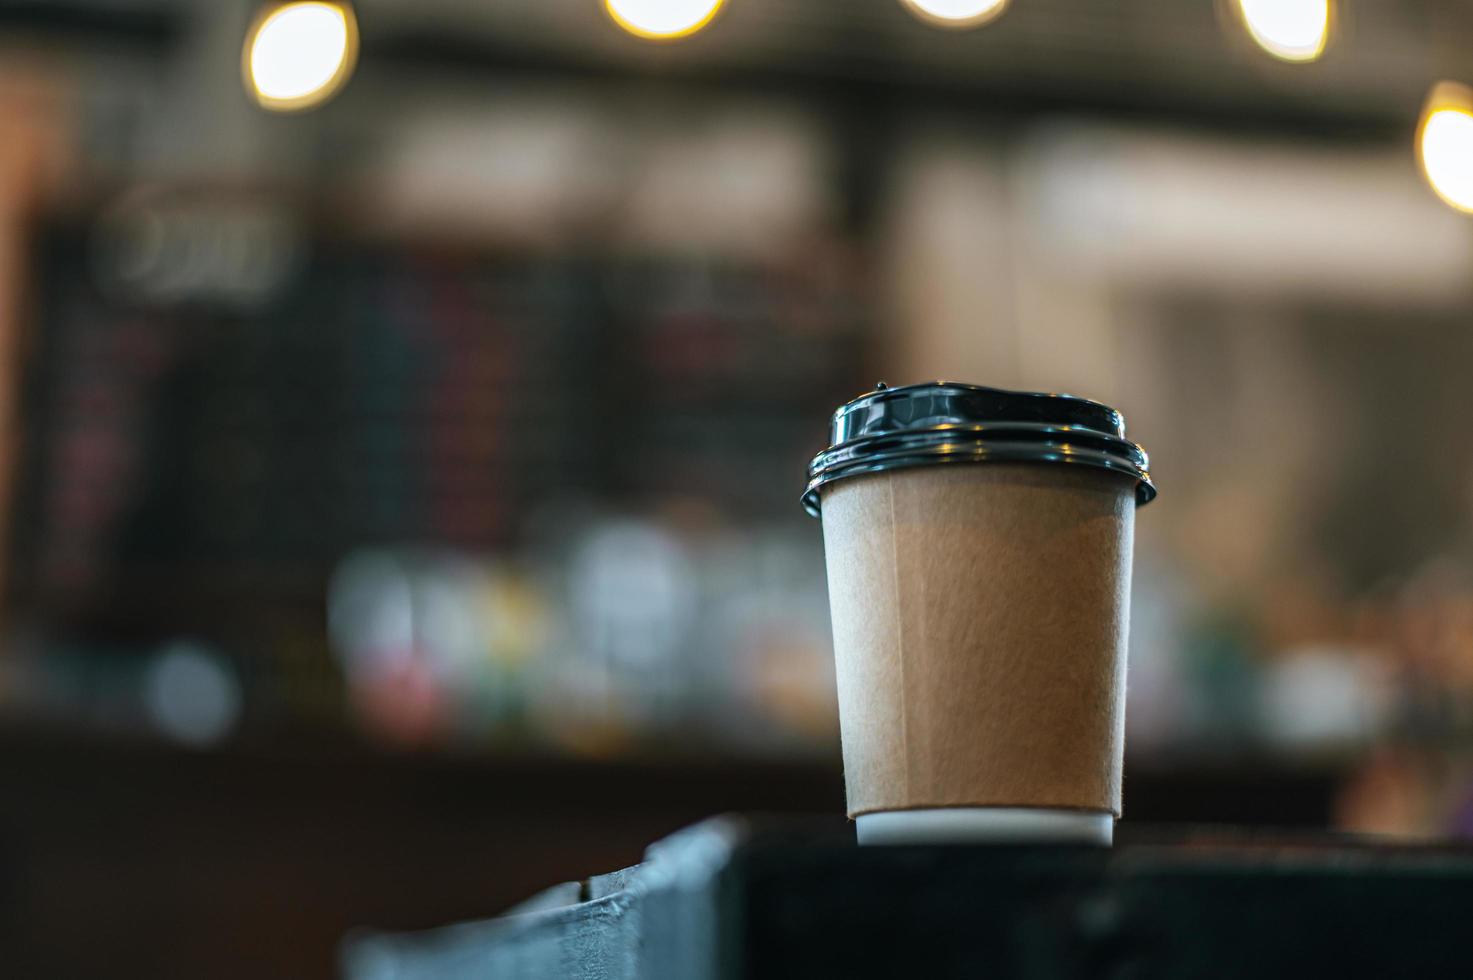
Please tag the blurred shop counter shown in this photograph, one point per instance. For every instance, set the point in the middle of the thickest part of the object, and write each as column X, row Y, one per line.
column 256, row 858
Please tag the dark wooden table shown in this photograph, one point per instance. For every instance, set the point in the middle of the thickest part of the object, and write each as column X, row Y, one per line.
column 731, row 899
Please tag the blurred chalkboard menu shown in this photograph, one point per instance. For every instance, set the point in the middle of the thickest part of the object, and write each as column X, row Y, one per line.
column 186, row 444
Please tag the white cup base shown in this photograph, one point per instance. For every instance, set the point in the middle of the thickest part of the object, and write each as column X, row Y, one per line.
column 986, row 825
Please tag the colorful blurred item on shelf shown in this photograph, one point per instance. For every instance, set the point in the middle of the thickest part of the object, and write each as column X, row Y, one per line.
column 434, row 644
column 192, row 693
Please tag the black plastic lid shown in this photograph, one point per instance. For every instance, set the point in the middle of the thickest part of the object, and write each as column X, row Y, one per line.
column 945, row 422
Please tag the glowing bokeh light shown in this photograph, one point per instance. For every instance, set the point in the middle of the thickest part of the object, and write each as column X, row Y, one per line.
column 663, row 20
column 299, row 54
column 1290, row 30
column 1445, row 146
column 956, row 13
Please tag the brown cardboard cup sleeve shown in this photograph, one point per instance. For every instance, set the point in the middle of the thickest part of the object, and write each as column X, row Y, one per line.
column 979, row 619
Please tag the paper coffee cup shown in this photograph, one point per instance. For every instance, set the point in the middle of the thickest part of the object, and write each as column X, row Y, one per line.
column 980, row 610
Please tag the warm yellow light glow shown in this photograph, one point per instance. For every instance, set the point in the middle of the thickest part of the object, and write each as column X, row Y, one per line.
column 663, row 20
column 1290, row 30
column 1445, row 144
column 956, row 13
column 299, row 54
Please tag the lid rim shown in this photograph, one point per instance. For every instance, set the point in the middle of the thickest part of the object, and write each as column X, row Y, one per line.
column 1065, row 437
column 950, row 422
column 1145, row 489
column 889, row 393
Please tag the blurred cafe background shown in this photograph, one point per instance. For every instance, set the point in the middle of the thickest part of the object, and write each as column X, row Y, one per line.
column 404, row 406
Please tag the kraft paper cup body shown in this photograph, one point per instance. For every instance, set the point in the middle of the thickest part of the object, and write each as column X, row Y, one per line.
column 980, row 618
